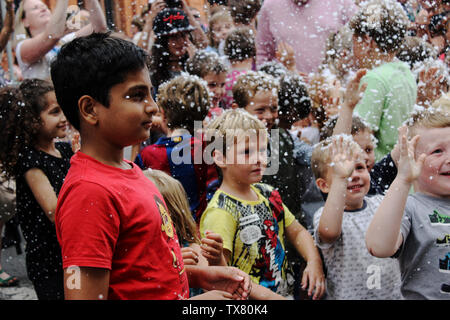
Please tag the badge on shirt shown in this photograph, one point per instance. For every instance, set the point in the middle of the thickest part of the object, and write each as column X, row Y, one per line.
column 250, row 232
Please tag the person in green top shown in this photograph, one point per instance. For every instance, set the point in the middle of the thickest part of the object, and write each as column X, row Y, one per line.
column 378, row 31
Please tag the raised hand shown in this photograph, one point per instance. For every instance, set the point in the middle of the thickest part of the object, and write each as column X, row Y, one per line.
column 285, row 54
column 343, row 157
column 354, row 91
column 430, row 86
column 408, row 167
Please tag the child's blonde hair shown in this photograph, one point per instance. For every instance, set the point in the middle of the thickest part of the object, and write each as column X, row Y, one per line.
column 220, row 16
column 249, row 84
column 385, row 21
column 434, row 117
column 231, row 125
column 321, row 156
column 177, row 203
column 20, row 32
column 442, row 103
column 184, row 99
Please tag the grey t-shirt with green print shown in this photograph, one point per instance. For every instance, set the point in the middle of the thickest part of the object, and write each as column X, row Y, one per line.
column 425, row 253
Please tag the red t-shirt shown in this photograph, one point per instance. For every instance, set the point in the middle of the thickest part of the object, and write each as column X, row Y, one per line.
column 116, row 219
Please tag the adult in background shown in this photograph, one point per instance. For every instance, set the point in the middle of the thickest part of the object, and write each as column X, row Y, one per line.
column 302, row 24
column 379, row 29
column 39, row 33
column 5, row 34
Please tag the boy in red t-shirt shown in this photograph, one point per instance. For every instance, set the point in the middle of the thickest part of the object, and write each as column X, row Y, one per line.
column 116, row 236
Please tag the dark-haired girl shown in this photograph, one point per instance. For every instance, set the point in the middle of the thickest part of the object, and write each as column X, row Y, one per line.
column 30, row 120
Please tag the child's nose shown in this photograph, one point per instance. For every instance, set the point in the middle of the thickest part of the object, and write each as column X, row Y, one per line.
column 268, row 115
column 355, row 176
column 151, row 107
column 220, row 91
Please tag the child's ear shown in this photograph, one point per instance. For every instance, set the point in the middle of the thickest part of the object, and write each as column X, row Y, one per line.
column 219, row 158
column 323, row 185
column 234, row 105
column 88, row 109
column 372, row 44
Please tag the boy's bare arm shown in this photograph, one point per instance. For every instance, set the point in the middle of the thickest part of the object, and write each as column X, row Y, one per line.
column 8, row 24
column 88, row 284
column 383, row 237
column 313, row 276
column 330, row 223
column 97, row 19
column 352, row 96
column 229, row 279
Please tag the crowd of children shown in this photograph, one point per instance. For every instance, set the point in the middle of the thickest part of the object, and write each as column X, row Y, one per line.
column 257, row 171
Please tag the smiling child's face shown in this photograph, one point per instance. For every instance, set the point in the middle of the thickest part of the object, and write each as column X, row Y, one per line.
column 434, row 178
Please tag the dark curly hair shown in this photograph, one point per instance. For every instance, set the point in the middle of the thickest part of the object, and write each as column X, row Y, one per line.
column 20, row 121
column 184, row 99
column 240, row 44
column 159, row 61
column 244, row 11
column 204, row 62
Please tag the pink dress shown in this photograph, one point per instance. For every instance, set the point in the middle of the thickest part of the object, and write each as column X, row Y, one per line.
column 231, row 80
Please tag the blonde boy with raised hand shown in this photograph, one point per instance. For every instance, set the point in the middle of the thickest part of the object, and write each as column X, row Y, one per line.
column 415, row 228
column 339, row 165
column 250, row 216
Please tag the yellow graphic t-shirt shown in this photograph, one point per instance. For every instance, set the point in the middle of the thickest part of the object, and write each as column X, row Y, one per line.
column 253, row 231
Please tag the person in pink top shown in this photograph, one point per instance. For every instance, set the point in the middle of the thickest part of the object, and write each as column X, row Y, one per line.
column 302, row 24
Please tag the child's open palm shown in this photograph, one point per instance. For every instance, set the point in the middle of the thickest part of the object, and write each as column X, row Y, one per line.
column 285, row 54
column 343, row 158
column 354, row 90
column 408, row 167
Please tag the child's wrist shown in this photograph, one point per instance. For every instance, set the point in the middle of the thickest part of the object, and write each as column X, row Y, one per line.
column 314, row 261
column 404, row 181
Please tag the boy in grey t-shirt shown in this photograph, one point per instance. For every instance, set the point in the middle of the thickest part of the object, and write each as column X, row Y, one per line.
column 416, row 228
column 339, row 227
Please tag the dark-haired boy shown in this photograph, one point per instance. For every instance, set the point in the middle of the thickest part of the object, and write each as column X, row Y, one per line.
column 116, row 235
